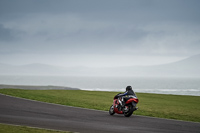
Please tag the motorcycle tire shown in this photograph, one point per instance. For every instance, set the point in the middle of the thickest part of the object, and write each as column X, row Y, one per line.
column 111, row 110
column 129, row 112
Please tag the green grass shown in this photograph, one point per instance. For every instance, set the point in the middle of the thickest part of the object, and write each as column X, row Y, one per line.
column 23, row 129
column 155, row 105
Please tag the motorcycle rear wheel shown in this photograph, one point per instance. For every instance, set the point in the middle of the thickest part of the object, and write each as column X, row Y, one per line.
column 111, row 110
column 129, row 112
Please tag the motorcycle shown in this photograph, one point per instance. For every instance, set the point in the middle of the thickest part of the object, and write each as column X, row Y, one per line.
column 127, row 110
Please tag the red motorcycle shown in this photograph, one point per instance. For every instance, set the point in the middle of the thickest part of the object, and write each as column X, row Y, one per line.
column 127, row 110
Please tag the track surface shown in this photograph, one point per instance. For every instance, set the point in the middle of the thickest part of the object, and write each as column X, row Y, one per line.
column 37, row 114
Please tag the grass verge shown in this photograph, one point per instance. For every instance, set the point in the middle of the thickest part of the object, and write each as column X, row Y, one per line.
column 156, row 105
column 4, row 128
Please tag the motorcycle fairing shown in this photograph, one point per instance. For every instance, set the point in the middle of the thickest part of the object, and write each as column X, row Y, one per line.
column 116, row 104
column 132, row 100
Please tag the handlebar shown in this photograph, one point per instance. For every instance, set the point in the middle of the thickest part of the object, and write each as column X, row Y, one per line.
column 116, row 97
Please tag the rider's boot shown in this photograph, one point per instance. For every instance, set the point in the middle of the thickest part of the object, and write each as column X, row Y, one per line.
column 123, row 104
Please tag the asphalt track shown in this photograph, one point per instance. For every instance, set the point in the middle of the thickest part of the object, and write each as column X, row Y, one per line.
column 43, row 115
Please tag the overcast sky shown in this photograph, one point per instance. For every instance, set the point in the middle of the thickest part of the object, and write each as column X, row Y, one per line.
column 98, row 32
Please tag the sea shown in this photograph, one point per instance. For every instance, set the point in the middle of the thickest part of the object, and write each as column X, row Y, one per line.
column 158, row 85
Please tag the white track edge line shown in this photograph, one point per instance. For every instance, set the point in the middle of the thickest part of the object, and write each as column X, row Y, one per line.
column 50, row 129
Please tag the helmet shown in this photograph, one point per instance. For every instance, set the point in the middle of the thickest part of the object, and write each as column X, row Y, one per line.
column 128, row 88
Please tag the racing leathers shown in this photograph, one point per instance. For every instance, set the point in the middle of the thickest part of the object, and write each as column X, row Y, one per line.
column 126, row 96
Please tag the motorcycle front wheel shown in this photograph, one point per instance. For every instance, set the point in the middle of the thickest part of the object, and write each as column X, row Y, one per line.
column 111, row 110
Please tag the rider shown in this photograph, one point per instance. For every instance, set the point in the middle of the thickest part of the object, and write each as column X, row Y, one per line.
column 127, row 95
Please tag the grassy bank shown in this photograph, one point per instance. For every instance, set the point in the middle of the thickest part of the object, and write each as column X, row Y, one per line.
column 23, row 129
column 155, row 105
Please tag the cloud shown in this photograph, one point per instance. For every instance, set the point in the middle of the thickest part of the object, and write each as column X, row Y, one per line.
column 6, row 34
column 99, row 29
column 72, row 34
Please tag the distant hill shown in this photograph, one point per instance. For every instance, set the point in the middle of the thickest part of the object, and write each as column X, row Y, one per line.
column 187, row 67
